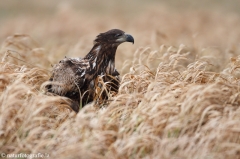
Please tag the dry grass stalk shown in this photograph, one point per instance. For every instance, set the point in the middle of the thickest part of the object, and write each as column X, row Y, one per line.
column 174, row 101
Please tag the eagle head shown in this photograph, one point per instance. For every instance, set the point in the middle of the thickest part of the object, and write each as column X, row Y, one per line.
column 114, row 36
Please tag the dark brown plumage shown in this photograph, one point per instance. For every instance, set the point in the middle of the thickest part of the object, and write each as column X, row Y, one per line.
column 80, row 78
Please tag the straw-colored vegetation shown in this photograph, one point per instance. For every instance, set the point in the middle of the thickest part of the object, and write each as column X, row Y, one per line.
column 179, row 95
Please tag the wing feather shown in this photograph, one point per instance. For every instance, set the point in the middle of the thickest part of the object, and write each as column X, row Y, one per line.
column 68, row 75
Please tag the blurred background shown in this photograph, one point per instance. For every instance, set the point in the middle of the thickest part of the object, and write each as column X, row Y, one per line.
column 68, row 28
column 185, row 102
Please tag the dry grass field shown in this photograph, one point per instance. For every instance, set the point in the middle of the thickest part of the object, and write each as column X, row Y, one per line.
column 180, row 91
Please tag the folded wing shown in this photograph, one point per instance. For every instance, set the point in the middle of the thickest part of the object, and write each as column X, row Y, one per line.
column 68, row 76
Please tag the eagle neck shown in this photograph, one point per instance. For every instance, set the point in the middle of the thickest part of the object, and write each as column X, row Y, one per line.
column 102, row 58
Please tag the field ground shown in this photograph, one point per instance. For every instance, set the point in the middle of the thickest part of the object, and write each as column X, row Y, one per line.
column 179, row 97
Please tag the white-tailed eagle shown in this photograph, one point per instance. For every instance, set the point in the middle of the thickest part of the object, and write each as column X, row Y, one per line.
column 78, row 78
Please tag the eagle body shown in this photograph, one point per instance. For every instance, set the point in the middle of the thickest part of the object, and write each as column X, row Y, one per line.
column 79, row 78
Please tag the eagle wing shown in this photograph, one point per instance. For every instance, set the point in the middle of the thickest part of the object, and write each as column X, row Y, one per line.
column 68, row 76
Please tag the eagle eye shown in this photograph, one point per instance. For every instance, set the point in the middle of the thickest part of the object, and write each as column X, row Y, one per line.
column 118, row 35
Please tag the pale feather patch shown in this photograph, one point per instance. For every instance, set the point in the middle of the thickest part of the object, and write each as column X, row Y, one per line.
column 83, row 73
column 97, row 51
column 77, row 58
column 94, row 62
column 110, row 67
